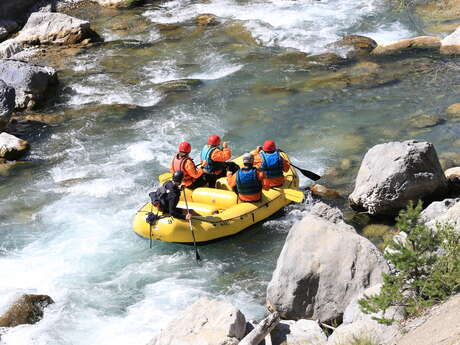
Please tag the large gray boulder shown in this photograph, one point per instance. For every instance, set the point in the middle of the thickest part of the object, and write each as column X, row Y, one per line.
column 207, row 322
column 31, row 82
column 12, row 148
column 444, row 212
column 55, row 28
column 7, row 101
column 28, row 309
column 322, row 266
column 301, row 332
column 394, row 173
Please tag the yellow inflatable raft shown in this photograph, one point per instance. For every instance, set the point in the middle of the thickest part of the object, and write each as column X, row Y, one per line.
column 221, row 212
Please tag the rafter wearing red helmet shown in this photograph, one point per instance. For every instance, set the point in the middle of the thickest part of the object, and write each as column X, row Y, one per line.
column 269, row 160
column 181, row 161
column 215, row 159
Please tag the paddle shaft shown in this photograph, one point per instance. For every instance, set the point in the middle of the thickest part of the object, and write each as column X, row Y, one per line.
column 150, row 236
column 307, row 173
column 197, row 255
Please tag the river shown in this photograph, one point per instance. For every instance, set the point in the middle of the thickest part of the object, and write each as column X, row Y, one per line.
column 65, row 216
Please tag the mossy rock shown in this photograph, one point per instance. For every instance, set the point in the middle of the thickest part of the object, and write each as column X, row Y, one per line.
column 454, row 111
column 439, row 10
column 354, row 46
column 425, row 121
column 379, row 234
column 274, row 90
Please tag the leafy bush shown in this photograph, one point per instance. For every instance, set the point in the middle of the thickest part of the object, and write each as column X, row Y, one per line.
column 426, row 267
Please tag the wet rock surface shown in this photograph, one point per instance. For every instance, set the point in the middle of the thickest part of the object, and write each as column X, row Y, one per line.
column 28, row 309
column 391, row 174
column 409, row 45
column 31, row 82
column 322, row 266
column 11, row 147
column 354, row 46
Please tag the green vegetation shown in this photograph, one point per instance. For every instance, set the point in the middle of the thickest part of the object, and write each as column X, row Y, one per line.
column 426, row 267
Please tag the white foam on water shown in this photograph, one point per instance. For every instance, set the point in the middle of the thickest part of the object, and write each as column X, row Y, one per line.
column 307, row 25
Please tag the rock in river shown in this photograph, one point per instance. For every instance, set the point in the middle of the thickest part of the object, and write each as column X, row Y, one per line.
column 322, row 266
column 12, row 148
column 451, row 43
column 394, row 173
column 353, row 46
column 207, row 322
column 31, row 82
column 28, row 309
column 7, row 101
column 55, row 28
column 408, row 45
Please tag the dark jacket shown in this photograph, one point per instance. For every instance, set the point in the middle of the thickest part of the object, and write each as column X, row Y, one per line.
column 168, row 195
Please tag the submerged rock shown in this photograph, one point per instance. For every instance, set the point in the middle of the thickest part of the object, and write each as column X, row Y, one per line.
column 12, row 148
column 289, row 332
column 206, row 322
column 239, row 33
column 180, row 85
column 7, row 102
column 454, row 111
column 31, row 82
column 394, row 173
column 408, row 45
column 322, row 266
column 28, row 309
column 55, row 28
column 206, row 19
column 425, row 121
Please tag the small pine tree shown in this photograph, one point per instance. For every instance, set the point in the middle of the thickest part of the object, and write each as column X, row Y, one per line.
column 426, row 267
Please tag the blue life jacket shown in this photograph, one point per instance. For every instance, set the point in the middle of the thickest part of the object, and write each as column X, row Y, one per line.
column 206, row 156
column 272, row 164
column 247, row 182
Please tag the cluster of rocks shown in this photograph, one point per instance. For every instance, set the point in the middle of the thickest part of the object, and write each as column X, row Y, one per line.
column 24, row 86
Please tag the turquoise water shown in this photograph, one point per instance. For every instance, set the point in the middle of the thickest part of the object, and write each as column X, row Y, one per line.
column 65, row 216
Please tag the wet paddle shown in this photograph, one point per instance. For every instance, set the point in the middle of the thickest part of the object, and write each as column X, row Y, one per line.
column 198, row 258
column 307, row 173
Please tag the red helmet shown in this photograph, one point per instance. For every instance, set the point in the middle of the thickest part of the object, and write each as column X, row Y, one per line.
column 214, row 140
column 269, row 145
column 185, row 147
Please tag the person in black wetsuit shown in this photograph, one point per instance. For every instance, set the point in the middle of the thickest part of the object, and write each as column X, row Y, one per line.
column 167, row 196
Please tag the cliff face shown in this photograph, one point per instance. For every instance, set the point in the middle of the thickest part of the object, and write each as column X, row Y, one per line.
column 439, row 326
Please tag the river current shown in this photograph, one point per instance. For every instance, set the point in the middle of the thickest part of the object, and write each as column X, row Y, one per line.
column 65, row 216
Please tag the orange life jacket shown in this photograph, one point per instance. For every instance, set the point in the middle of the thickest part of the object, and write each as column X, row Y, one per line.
column 179, row 164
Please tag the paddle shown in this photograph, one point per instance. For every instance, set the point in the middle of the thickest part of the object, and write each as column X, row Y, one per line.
column 307, row 173
column 291, row 194
column 198, row 258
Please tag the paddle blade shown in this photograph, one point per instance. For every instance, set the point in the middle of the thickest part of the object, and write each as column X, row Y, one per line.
column 309, row 174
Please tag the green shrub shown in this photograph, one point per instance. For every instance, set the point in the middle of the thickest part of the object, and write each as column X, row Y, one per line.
column 426, row 267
